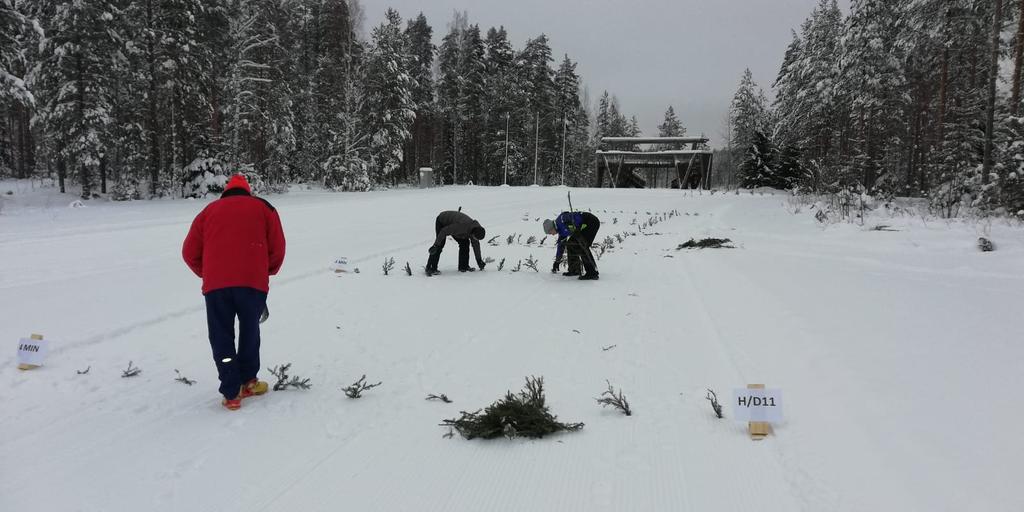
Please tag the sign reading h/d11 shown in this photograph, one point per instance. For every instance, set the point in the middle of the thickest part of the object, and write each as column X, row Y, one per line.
column 757, row 405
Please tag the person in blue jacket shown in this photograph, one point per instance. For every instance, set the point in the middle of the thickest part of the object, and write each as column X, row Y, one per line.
column 576, row 233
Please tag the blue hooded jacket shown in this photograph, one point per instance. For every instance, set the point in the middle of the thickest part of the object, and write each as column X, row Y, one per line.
column 567, row 223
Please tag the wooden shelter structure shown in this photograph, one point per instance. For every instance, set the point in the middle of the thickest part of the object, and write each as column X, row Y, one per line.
column 688, row 158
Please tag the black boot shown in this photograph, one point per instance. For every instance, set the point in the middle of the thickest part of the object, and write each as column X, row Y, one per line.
column 590, row 276
column 571, row 273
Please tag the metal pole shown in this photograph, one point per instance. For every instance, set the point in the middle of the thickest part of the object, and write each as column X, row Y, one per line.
column 564, row 123
column 507, row 116
column 536, row 146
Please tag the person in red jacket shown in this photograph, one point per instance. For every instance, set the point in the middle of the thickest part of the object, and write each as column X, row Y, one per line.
column 235, row 244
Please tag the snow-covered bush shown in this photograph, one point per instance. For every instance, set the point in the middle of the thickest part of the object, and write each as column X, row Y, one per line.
column 346, row 174
column 203, row 176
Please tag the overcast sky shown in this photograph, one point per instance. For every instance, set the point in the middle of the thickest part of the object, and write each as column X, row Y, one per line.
column 649, row 53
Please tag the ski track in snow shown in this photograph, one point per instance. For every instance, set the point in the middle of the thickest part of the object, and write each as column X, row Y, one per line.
column 858, row 328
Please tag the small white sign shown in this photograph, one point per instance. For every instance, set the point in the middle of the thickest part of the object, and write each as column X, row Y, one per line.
column 757, row 405
column 32, row 352
column 340, row 265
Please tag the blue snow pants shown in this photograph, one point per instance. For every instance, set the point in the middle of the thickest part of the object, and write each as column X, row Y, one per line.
column 235, row 366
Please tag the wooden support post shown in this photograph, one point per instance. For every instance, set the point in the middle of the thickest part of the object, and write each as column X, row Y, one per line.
column 30, row 366
column 758, row 429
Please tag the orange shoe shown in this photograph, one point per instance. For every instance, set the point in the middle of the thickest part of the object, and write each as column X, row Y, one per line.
column 232, row 405
column 252, row 388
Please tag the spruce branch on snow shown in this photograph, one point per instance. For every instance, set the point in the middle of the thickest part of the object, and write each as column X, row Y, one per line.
column 511, row 238
column 616, row 400
column 515, row 415
column 131, row 371
column 531, row 240
column 442, row 397
column 388, row 265
column 717, row 407
column 706, row 243
column 183, row 379
column 493, row 240
column 357, row 387
column 284, row 381
column 85, row 371
column 408, row 269
column 518, row 267
column 501, row 264
column 531, row 263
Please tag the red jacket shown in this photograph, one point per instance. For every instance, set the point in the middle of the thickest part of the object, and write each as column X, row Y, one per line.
column 236, row 240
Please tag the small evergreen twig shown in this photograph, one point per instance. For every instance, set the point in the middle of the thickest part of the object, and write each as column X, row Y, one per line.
column 85, row 371
column 493, row 239
column 442, row 397
column 511, row 238
column 183, row 379
column 131, row 371
column 501, row 264
column 389, row 264
column 357, row 387
column 713, row 398
column 531, row 240
column 542, row 241
column 531, row 263
column 285, row 382
column 408, row 269
column 518, row 267
column 609, row 347
column 615, row 400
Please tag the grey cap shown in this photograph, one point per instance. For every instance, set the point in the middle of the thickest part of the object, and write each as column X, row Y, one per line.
column 549, row 226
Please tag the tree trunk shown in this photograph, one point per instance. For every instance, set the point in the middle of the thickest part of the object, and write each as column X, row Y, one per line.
column 61, row 173
column 993, row 72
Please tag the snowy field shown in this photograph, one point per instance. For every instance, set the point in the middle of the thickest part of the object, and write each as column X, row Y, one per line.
column 900, row 355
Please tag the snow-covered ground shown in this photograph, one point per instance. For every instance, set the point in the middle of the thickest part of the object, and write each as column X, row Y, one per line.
column 899, row 354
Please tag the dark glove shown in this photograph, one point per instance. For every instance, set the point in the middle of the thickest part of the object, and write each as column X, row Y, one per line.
column 434, row 250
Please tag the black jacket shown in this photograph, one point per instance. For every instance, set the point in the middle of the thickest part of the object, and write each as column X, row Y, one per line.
column 459, row 226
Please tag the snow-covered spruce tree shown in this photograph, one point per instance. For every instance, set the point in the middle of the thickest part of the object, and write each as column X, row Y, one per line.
column 472, row 71
column 759, row 165
column 570, row 113
column 340, row 134
column 449, row 87
column 389, row 109
column 670, row 127
column 74, row 83
column 418, row 34
column 808, row 114
column 873, row 87
column 748, row 112
column 18, row 43
column 503, row 94
column 537, row 113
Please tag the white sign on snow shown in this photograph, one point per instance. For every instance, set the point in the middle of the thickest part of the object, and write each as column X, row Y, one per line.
column 757, row 405
column 32, row 352
column 340, row 265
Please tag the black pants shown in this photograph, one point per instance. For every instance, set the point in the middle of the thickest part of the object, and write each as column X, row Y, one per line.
column 434, row 259
column 235, row 367
column 577, row 246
